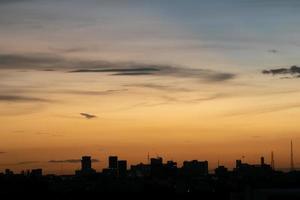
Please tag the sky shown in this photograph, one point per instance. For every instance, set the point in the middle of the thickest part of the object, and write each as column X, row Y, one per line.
column 196, row 79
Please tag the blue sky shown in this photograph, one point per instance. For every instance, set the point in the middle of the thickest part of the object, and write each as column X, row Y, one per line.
column 199, row 33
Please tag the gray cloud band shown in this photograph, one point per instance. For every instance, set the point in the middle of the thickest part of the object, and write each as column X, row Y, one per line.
column 293, row 71
column 50, row 62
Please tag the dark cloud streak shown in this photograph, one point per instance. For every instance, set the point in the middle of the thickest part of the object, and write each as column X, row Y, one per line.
column 72, row 161
column 21, row 163
column 88, row 116
column 16, row 98
column 294, row 71
column 50, row 62
column 162, row 70
column 30, row 61
column 159, row 87
column 91, row 92
column 265, row 110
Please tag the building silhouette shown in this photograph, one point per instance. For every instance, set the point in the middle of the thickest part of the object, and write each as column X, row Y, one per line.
column 36, row 172
column 245, row 181
column 8, row 172
column 140, row 170
column 249, row 170
column 116, row 168
column 86, row 166
column 122, row 168
column 156, row 161
column 86, row 163
column 113, row 162
column 195, row 168
column 156, row 166
column 221, row 171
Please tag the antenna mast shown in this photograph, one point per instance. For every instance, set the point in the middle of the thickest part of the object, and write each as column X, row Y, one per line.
column 292, row 157
column 272, row 160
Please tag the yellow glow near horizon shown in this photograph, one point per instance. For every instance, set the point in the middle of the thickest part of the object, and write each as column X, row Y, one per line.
column 212, row 121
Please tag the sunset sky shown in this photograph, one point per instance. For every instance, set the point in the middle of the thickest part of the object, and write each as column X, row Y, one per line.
column 180, row 79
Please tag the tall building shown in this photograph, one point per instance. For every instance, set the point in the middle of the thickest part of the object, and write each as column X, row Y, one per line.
column 195, row 167
column 221, row 171
column 156, row 161
column 238, row 164
column 140, row 170
column 86, row 163
column 36, row 172
column 261, row 169
column 170, row 168
column 113, row 162
column 262, row 161
column 122, row 168
column 8, row 172
column 86, row 166
column 156, row 165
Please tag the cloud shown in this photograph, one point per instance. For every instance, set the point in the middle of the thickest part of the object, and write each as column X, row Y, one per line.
column 16, row 98
column 26, row 162
column 48, row 134
column 159, row 87
column 54, row 62
column 30, row 61
column 293, row 71
column 134, row 70
column 167, row 100
column 275, row 3
column 70, row 50
column 93, row 93
column 265, row 110
column 162, row 70
column 273, row 51
column 12, row 1
column 88, row 116
column 70, row 161
column 22, row 163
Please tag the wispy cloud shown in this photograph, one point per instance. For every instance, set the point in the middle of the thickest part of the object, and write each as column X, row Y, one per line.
column 88, row 116
column 48, row 134
column 70, row 50
column 21, row 163
column 162, row 70
column 31, row 61
column 70, row 161
column 159, row 87
column 169, row 100
column 27, row 162
column 12, row 1
column 273, row 51
column 55, row 62
column 265, row 110
column 91, row 92
column 293, row 71
column 16, row 98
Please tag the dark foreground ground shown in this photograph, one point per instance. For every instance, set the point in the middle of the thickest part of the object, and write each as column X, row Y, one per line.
column 229, row 185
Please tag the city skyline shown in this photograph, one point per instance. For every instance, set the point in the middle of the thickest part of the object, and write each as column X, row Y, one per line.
column 187, row 79
column 112, row 163
column 161, row 176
